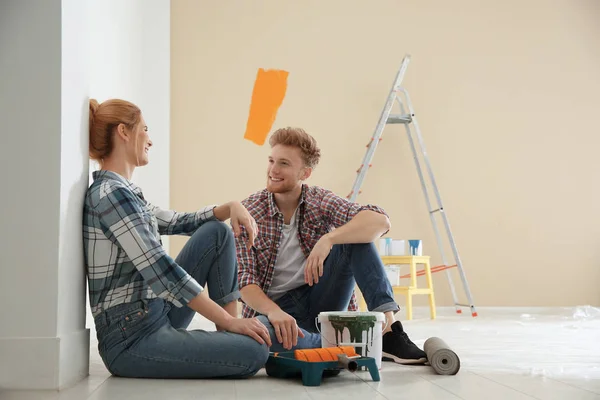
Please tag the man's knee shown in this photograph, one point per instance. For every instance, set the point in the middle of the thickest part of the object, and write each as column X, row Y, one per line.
column 360, row 247
column 346, row 249
column 265, row 321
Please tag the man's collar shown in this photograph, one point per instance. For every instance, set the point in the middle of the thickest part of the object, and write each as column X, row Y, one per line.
column 272, row 208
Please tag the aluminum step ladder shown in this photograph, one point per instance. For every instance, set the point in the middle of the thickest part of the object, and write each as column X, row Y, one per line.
column 400, row 95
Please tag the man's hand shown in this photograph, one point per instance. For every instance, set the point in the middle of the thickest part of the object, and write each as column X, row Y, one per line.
column 240, row 216
column 314, row 262
column 250, row 327
column 286, row 329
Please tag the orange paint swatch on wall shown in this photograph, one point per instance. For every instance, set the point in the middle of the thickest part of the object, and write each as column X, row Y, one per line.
column 268, row 93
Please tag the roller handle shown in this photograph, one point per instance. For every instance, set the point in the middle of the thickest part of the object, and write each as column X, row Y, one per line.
column 345, row 362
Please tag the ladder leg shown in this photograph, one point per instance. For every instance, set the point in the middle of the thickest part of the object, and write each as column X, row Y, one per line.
column 428, row 203
column 372, row 146
column 441, row 208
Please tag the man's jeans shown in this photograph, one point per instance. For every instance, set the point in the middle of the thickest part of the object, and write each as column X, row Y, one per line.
column 346, row 266
column 149, row 339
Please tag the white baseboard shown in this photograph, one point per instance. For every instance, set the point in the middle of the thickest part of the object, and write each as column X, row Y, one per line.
column 44, row 362
column 74, row 358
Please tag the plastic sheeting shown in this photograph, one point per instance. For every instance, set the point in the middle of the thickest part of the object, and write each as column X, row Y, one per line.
column 551, row 342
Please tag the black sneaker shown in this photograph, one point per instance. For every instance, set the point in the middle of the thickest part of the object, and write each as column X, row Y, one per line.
column 397, row 347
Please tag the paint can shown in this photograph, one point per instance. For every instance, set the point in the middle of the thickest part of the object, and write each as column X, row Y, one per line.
column 362, row 330
column 415, row 247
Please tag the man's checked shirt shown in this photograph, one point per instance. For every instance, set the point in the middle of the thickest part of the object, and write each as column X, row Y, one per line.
column 320, row 211
column 124, row 256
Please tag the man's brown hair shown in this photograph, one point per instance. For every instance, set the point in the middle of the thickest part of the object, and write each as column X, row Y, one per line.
column 297, row 137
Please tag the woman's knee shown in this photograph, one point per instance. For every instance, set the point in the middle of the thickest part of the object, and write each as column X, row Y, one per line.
column 224, row 235
column 220, row 227
column 255, row 357
column 213, row 234
column 217, row 228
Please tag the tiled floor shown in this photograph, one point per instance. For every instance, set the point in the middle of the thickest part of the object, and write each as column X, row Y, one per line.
column 505, row 354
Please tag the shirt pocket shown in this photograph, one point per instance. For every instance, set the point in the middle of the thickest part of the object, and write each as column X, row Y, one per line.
column 263, row 250
column 150, row 219
column 313, row 228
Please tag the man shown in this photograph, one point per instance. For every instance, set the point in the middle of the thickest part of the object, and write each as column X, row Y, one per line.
column 310, row 250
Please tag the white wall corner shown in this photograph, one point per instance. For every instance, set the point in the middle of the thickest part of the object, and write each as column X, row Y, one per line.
column 73, row 338
column 45, row 344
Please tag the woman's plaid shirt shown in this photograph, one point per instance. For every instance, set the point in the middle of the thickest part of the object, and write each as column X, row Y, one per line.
column 124, row 256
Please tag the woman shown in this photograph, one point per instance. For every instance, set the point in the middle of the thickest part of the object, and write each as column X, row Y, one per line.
column 143, row 300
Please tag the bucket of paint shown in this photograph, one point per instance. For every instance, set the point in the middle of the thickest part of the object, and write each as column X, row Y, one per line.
column 398, row 248
column 393, row 274
column 415, row 247
column 385, row 246
column 362, row 330
column 392, row 247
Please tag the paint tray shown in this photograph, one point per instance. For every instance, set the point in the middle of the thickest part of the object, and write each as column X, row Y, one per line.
column 285, row 365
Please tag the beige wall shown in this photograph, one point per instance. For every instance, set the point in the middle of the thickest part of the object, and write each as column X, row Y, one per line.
column 507, row 95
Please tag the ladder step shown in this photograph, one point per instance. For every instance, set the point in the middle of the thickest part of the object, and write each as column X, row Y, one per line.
column 436, row 210
column 399, row 119
column 463, row 305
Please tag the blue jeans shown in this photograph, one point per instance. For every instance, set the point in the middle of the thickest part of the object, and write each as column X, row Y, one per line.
column 149, row 339
column 346, row 266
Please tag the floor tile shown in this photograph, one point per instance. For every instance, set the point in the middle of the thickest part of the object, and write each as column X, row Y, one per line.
column 407, row 382
column 469, row 386
column 541, row 387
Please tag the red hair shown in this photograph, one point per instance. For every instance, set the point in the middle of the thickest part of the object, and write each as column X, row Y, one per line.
column 297, row 137
column 104, row 118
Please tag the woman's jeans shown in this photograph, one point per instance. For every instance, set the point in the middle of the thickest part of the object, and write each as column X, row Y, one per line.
column 149, row 339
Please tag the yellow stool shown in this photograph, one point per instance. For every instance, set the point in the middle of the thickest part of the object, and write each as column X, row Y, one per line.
column 412, row 289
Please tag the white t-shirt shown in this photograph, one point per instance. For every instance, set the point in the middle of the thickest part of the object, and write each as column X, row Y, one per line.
column 289, row 267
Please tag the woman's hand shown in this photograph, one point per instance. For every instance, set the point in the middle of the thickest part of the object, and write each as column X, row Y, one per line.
column 250, row 327
column 241, row 217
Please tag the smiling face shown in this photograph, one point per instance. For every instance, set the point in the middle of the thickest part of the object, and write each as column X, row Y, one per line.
column 286, row 169
column 140, row 145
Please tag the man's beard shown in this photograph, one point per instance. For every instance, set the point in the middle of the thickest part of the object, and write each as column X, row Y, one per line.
column 278, row 188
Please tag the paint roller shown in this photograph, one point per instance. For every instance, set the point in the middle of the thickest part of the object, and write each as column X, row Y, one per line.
column 442, row 359
column 344, row 355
